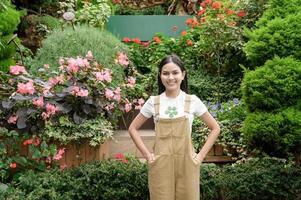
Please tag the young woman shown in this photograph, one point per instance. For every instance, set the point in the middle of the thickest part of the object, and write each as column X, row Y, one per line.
column 173, row 164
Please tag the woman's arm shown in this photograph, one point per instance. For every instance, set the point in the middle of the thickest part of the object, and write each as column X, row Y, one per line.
column 133, row 130
column 215, row 130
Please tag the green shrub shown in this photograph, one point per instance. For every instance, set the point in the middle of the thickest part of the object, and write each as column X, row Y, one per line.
column 95, row 14
column 118, row 180
column 280, row 37
column 69, row 43
column 279, row 9
column 275, row 85
column 9, row 20
column 264, row 179
column 276, row 134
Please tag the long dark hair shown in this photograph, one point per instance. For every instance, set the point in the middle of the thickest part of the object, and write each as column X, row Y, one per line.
column 173, row 58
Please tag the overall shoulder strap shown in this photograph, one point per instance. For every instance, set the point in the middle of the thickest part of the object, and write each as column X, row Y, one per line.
column 157, row 105
column 188, row 99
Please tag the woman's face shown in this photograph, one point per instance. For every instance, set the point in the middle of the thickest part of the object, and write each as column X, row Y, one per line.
column 172, row 76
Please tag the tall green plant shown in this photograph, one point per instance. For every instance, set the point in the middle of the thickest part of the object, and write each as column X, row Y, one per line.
column 68, row 43
column 9, row 20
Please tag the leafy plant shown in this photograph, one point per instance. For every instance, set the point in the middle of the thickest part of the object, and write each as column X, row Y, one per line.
column 230, row 116
column 20, row 152
column 273, row 86
column 279, row 37
column 68, row 43
column 94, row 14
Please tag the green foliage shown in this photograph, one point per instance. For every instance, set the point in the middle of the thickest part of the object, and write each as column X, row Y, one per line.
column 12, row 150
column 254, row 10
column 49, row 21
column 122, row 10
column 211, row 50
column 97, row 130
column 9, row 20
column 96, row 14
column 99, row 180
column 279, row 37
column 279, row 9
column 275, row 85
column 70, row 43
column 230, row 116
column 265, row 179
column 276, row 134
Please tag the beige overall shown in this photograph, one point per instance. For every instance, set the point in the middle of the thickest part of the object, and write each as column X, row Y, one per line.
column 174, row 174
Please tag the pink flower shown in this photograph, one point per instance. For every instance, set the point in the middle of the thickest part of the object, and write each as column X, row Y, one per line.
column 109, row 107
column 13, row 165
column 131, row 82
column 59, row 154
column 139, row 104
column 12, row 119
column 26, row 88
column 117, row 95
column 122, row 59
column 104, row 75
column 141, row 101
column 52, row 81
column 89, row 55
column 17, row 70
column 72, row 66
column 82, row 93
column 109, row 94
column 77, row 91
column 82, row 62
column 38, row 102
column 127, row 106
column 46, row 66
column 51, row 109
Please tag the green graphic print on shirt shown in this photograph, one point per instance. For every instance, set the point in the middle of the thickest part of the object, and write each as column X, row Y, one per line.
column 171, row 111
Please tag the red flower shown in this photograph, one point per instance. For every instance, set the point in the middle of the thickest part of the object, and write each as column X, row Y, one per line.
column 157, row 39
column 13, row 165
column 174, row 28
column 119, row 156
column 27, row 142
column 201, row 12
column 241, row 14
column 145, row 44
column 189, row 21
column 116, row 1
column 183, row 33
column 208, row 1
column 189, row 43
column 136, row 40
column 126, row 40
column 216, row 5
column 124, row 161
column 229, row 12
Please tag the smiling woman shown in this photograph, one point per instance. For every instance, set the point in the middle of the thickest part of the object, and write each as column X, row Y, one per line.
column 173, row 163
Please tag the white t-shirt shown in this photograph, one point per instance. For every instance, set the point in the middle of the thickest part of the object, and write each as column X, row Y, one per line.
column 173, row 107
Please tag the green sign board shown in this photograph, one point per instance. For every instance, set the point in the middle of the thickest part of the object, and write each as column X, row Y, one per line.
column 146, row 26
